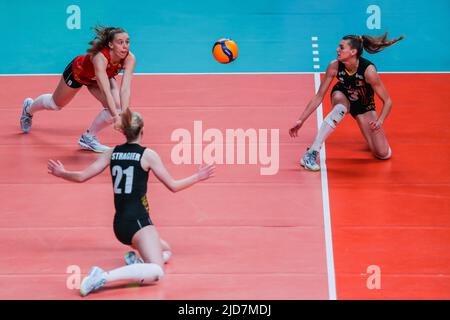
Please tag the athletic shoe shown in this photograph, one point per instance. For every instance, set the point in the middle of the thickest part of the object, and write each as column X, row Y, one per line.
column 132, row 258
column 309, row 160
column 89, row 142
column 26, row 118
column 93, row 281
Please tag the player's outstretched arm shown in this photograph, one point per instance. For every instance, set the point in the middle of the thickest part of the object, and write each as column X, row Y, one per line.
column 374, row 80
column 57, row 169
column 154, row 162
column 317, row 99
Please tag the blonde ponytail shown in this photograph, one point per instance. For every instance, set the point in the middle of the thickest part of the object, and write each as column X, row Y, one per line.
column 132, row 124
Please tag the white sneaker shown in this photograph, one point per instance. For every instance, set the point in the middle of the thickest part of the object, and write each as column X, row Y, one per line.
column 309, row 160
column 131, row 258
column 26, row 118
column 93, row 281
column 89, row 142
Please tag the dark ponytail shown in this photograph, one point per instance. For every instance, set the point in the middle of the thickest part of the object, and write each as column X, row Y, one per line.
column 132, row 124
column 371, row 44
column 103, row 36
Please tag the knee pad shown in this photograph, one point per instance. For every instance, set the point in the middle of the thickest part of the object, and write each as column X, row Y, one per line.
column 160, row 272
column 49, row 103
column 166, row 255
column 336, row 115
column 153, row 273
column 388, row 156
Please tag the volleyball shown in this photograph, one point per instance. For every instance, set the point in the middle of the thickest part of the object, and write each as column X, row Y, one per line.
column 225, row 50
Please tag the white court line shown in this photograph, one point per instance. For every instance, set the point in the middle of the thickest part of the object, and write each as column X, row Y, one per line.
column 326, row 204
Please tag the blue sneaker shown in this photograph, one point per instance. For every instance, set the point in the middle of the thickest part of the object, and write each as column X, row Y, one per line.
column 26, row 118
column 89, row 142
column 92, row 282
column 309, row 160
column 132, row 258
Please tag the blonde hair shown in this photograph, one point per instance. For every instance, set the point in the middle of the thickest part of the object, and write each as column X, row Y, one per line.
column 132, row 124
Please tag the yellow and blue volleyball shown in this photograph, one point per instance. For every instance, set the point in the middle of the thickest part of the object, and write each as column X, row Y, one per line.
column 225, row 50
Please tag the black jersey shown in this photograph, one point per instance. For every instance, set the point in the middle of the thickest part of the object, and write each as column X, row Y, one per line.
column 129, row 181
column 355, row 85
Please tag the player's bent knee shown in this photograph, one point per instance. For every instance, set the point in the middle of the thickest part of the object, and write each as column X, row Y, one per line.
column 384, row 156
column 154, row 273
column 50, row 104
column 336, row 115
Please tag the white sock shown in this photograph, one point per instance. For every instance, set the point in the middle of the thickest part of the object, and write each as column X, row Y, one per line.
column 101, row 121
column 165, row 255
column 43, row 102
column 329, row 125
column 138, row 272
column 324, row 131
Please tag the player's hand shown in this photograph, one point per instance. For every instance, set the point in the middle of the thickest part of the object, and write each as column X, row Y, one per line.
column 376, row 125
column 205, row 172
column 297, row 125
column 55, row 168
column 118, row 122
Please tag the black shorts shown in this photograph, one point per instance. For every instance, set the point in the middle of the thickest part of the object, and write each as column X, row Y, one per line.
column 69, row 79
column 356, row 107
column 125, row 229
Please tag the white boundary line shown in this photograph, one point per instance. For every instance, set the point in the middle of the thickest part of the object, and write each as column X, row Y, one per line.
column 326, row 204
column 220, row 73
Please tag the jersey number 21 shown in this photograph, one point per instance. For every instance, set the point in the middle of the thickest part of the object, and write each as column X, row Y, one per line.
column 118, row 172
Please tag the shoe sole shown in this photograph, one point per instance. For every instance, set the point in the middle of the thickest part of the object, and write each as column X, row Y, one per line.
column 302, row 163
column 24, row 105
column 86, row 147
column 82, row 292
column 23, row 130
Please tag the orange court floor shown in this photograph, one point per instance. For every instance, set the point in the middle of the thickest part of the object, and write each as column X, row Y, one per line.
column 242, row 234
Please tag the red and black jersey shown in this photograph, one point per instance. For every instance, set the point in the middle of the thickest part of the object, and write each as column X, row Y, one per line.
column 83, row 68
column 355, row 85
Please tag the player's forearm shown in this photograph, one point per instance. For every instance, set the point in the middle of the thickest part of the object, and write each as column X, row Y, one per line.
column 74, row 176
column 106, row 90
column 181, row 184
column 125, row 94
column 111, row 105
column 310, row 107
column 386, row 110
